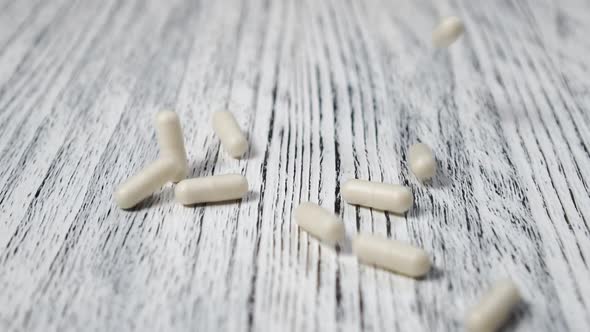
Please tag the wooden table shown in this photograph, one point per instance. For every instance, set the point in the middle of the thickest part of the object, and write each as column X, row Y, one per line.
column 326, row 91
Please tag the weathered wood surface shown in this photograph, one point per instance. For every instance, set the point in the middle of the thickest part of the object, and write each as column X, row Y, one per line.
column 326, row 90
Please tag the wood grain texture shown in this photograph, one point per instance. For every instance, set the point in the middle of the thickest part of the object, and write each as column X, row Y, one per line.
column 326, row 91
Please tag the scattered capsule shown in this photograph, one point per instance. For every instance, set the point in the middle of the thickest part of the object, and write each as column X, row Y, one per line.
column 319, row 222
column 230, row 134
column 146, row 182
column 494, row 309
column 171, row 142
column 447, row 32
column 421, row 161
column 381, row 196
column 391, row 255
column 211, row 189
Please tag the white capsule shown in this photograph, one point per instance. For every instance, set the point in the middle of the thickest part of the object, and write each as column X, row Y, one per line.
column 391, row 255
column 319, row 222
column 494, row 308
column 146, row 182
column 211, row 189
column 171, row 142
column 381, row 196
column 230, row 134
column 421, row 161
column 447, row 31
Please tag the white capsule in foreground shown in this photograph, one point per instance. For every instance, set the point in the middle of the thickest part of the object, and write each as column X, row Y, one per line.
column 171, row 142
column 494, row 308
column 381, row 196
column 211, row 189
column 230, row 134
column 421, row 161
column 319, row 222
column 391, row 255
column 145, row 183
column 447, row 32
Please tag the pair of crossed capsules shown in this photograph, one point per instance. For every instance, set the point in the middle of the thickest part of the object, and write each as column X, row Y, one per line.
column 172, row 166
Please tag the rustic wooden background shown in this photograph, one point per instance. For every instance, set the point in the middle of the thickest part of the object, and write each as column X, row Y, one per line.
column 327, row 91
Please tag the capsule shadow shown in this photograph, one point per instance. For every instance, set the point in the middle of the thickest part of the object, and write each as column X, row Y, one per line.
column 156, row 199
column 344, row 246
column 252, row 152
column 521, row 310
column 220, row 203
column 435, row 273
column 441, row 179
column 399, row 215
column 414, row 212
column 251, row 196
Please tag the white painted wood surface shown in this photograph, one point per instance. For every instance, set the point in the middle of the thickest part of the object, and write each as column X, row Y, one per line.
column 327, row 91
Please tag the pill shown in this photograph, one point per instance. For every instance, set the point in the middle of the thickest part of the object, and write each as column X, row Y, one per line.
column 421, row 161
column 211, row 189
column 319, row 222
column 171, row 142
column 381, row 196
column 391, row 255
column 447, row 31
column 494, row 309
column 231, row 136
column 146, row 182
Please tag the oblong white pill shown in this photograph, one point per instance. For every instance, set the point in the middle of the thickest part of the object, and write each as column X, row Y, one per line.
column 211, row 189
column 421, row 161
column 391, row 255
column 494, row 308
column 381, row 196
column 230, row 134
column 319, row 222
column 146, row 182
column 171, row 142
column 447, row 31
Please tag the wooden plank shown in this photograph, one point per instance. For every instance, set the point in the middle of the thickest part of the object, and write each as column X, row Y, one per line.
column 326, row 91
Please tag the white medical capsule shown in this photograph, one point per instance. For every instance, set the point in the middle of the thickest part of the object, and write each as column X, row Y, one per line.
column 230, row 134
column 494, row 308
column 319, row 222
column 171, row 142
column 391, row 255
column 421, row 161
column 381, row 196
column 447, row 31
column 211, row 189
column 146, row 182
